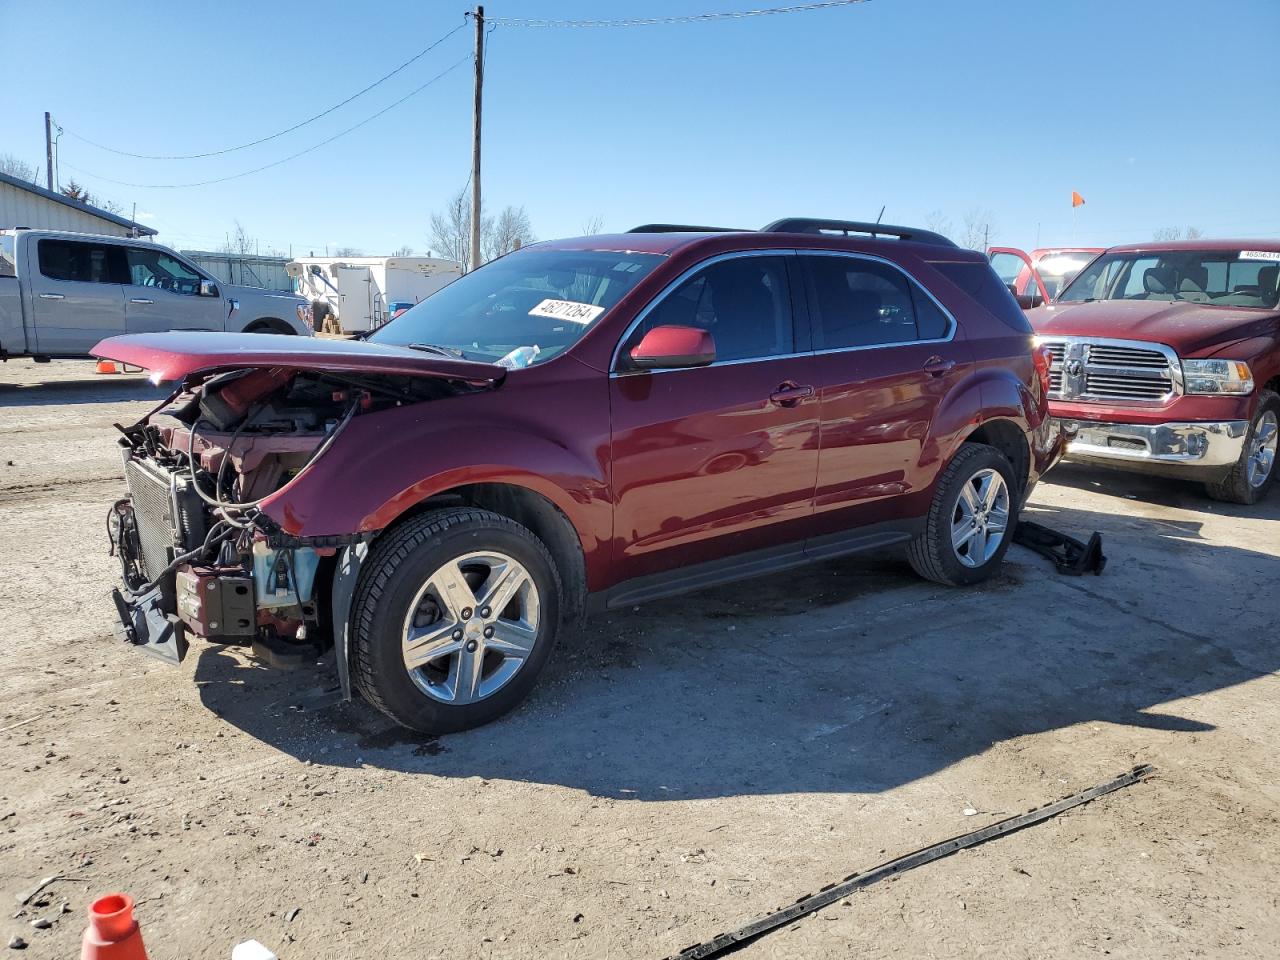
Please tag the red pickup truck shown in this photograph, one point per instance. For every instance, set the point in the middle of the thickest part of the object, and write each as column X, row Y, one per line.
column 1166, row 359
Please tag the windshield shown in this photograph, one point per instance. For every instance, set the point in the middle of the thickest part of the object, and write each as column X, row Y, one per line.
column 1225, row 278
column 522, row 309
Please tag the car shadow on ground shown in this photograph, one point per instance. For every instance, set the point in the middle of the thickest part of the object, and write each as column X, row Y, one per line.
column 848, row 676
column 1163, row 491
column 101, row 388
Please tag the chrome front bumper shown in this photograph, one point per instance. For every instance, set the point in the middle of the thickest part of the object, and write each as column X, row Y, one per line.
column 1165, row 447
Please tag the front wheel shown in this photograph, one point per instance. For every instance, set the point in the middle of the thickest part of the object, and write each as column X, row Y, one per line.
column 1255, row 471
column 971, row 520
column 455, row 616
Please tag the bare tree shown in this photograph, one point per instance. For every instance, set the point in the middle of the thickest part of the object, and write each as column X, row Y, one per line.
column 451, row 230
column 348, row 252
column 511, row 230
column 405, row 251
column 938, row 222
column 1177, row 233
column 15, row 167
column 979, row 229
column 239, row 242
column 593, row 225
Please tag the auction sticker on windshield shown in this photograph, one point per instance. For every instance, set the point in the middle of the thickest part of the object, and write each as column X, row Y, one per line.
column 1260, row 255
column 569, row 310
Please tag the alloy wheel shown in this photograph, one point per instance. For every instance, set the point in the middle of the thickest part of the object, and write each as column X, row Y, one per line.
column 1262, row 449
column 981, row 518
column 471, row 627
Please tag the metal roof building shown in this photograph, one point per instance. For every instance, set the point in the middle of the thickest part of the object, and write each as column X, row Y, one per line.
column 24, row 204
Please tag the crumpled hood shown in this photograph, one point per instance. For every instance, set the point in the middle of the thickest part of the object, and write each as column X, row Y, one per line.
column 176, row 356
column 1187, row 327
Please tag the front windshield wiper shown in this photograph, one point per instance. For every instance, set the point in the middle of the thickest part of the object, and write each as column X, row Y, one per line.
column 453, row 353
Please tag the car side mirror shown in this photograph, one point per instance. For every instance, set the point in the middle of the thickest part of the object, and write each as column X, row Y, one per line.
column 208, row 288
column 1029, row 300
column 673, row 346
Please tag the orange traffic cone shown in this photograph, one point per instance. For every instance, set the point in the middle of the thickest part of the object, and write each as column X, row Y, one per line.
column 112, row 933
column 106, row 366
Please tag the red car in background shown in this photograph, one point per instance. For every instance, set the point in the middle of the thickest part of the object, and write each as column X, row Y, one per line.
column 1038, row 277
column 1166, row 360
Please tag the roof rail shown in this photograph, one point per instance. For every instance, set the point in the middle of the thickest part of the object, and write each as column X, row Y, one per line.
column 682, row 228
column 846, row 227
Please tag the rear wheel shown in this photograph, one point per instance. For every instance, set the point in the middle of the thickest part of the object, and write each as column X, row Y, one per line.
column 971, row 520
column 455, row 617
column 1255, row 471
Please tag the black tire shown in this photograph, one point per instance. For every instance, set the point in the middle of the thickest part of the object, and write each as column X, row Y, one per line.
column 931, row 553
column 398, row 566
column 320, row 311
column 1235, row 486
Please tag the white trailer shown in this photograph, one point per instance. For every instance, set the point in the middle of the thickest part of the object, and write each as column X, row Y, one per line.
column 356, row 294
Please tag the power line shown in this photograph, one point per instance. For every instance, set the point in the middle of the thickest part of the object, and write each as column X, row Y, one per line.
column 687, row 18
column 236, row 176
column 297, row 126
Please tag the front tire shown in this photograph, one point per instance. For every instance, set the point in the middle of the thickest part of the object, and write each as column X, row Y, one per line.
column 1255, row 471
column 971, row 521
column 455, row 616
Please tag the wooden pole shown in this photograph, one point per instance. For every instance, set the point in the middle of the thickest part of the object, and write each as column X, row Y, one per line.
column 48, row 150
column 475, row 141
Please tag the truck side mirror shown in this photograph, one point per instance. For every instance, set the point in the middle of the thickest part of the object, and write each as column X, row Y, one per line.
column 1029, row 300
column 208, row 288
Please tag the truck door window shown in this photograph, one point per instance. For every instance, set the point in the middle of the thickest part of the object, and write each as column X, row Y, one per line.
column 73, row 260
column 153, row 268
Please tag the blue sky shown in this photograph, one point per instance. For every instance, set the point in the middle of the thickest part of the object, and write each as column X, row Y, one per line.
column 1160, row 112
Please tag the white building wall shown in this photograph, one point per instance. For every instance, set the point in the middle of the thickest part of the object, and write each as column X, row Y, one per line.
column 20, row 208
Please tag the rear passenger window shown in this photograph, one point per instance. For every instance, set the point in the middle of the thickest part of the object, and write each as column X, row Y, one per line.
column 744, row 302
column 980, row 282
column 72, row 260
column 862, row 303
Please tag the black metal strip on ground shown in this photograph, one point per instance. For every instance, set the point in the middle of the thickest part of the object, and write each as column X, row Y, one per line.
column 728, row 942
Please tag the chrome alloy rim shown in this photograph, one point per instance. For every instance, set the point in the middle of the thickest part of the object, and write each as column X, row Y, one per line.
column 1262, row 449
column 981, row 518
column 471, row 627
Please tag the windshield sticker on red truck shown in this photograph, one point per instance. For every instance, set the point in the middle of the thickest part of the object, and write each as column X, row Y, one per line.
column 569, row 310
column 1260, row 255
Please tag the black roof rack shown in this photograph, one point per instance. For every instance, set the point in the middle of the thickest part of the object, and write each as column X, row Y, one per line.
column 682, row 228
column 846, row 227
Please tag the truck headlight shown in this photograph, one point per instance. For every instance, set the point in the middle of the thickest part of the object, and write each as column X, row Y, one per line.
column 1217, row 376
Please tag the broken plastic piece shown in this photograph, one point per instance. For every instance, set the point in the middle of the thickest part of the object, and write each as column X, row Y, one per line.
column 1068, row 554
column 251, row 950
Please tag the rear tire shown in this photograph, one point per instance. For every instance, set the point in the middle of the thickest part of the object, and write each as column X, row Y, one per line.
column 421, row 599
column 1242, row 484
column 955, row 546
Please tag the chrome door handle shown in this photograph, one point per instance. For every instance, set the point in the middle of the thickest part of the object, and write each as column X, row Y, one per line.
column 789, row 394
column 51, row 296
column 140, row 300
column 936, row 366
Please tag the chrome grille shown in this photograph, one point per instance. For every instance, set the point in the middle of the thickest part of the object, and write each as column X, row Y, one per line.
column 1112, row 370
column 153, row 513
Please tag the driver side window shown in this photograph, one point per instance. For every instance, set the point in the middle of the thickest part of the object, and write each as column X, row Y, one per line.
column 743, row 302
column 157, row 270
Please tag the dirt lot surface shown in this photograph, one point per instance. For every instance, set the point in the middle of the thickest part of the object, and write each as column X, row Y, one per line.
column 682, row 768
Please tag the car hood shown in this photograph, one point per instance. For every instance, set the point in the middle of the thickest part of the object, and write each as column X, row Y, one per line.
column 1187, row 327
column 177, row 356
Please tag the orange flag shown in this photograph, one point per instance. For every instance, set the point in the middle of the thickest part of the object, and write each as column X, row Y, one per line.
column 1076, row 199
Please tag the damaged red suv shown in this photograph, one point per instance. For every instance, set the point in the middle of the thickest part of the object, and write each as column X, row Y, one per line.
column 579, row 425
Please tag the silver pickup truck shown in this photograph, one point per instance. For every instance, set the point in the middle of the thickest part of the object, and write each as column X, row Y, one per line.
column 61, row 293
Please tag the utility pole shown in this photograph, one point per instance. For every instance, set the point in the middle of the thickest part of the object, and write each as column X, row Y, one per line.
column 475, row 140
column 48, row 149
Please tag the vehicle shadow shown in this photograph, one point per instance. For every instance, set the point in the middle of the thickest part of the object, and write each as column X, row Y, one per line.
column 849, row 676
column 1167, row 492
column 104, row 388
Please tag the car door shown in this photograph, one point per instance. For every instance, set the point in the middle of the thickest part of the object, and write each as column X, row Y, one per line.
column 1018, row 273
column 76, row 295
column 715, row 461
column 886, row 354
column 163, row 293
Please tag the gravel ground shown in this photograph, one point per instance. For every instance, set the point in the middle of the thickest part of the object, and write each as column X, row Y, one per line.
column 682, row 768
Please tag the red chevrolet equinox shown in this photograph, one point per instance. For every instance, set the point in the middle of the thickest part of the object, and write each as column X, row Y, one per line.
column 579, row 425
